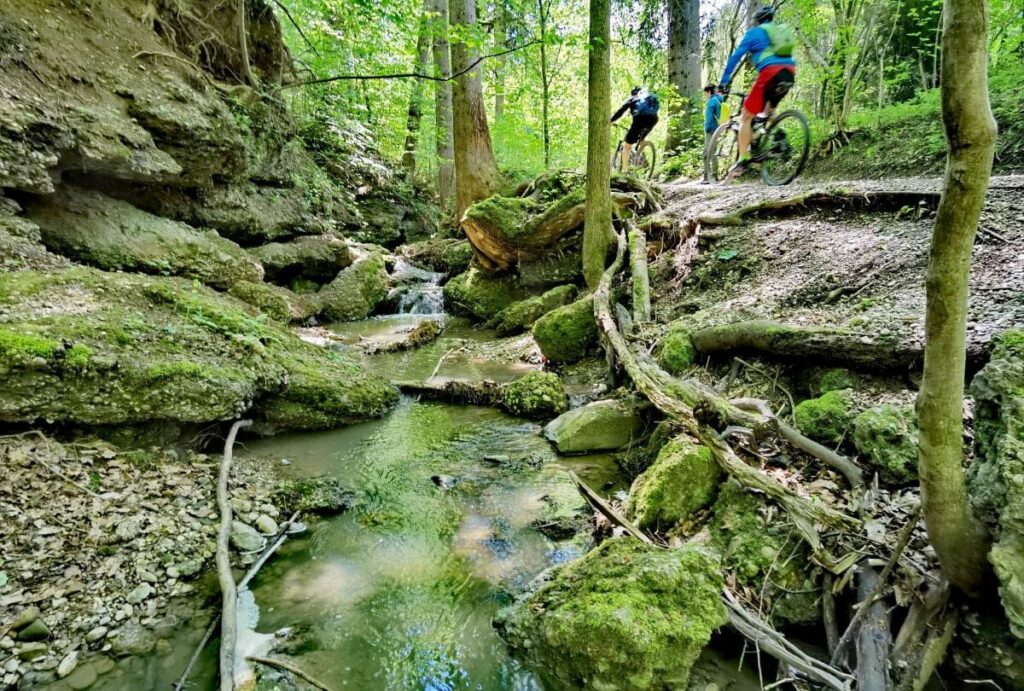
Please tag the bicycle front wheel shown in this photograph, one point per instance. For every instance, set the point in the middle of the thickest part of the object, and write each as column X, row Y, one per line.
column 722, row 152
column 617, row 158
column 785, row 147
column 644, row 159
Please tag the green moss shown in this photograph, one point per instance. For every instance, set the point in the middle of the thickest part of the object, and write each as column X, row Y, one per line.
column 77, row 356
column 508, row 216
column 356, row 291
column 764, row 552
column 522, row 315
column 887, row 436
column 625, row 616
column 565, row 334
column 827, row 418
column 536, row 395
column 675, row 351
column 836, row 379
column 478, row 295
column 683, row 479
column 19, row 347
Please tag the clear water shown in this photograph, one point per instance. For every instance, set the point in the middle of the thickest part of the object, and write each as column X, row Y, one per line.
column 419, row 290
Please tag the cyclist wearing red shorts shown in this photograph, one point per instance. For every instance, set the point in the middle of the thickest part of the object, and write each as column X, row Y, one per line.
column 770, row 49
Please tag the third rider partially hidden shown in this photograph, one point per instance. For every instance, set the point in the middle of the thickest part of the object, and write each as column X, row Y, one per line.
column 643, row 106
column 770, row 46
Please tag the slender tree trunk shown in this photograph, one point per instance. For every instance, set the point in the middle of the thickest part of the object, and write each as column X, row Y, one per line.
column 243, row 45
column 597, row 224
column 443, row 108
column 500, row 44
column 415, row 113
column 545, row 85
column 959, row 539
column 750, row 8
column 683, row 69
column 476, row 171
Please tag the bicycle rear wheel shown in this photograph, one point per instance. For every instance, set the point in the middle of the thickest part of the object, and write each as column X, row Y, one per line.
column 785, row 147
column 644, row 159
column 617, row 158
column 722, row 152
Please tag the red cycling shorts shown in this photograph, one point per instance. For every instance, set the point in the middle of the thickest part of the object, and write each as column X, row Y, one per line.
column 772, row 83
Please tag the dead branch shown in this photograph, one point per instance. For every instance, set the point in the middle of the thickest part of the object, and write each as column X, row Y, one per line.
column 828, row 612
column 298, row 28
column 873, row 638
column 605, row 509
column 820, row 198
column 229, row 593
column 289, row 667
column 641, row 277
column 485, row 392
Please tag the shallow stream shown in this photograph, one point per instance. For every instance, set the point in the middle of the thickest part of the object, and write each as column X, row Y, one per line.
column 399, row 592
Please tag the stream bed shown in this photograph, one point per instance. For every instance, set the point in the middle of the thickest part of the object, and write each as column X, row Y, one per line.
column 456, row 509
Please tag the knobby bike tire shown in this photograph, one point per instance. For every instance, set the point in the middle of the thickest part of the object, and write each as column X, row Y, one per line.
column 652, row 157
column 724, row 130
column 766, row 175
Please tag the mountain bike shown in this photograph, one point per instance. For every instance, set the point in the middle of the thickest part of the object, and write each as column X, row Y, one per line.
column 642, row 158
column 780, row 145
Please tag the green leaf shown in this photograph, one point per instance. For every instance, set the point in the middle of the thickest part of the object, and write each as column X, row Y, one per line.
column 3, row 578
column 726, row 255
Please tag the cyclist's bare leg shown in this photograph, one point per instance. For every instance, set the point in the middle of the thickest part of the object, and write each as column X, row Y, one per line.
column 627, row 150
column 745, row 134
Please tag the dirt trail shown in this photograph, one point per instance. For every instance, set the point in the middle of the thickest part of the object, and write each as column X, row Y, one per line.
column 859, row 262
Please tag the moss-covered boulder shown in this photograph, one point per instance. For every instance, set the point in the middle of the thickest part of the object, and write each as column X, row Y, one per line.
column 538, row 395
column 356, row 291
column 274, row 301
column 675, row 352
column 443, row 255
column 565, row 334
column 95, row 348
column 764, row 552
column 886, row 435
column 522, row 315
column 112, row 234
column 826, row 419
column 625, row 616
column 316, row 257
column 557, row 267
column 598, row 426
column 683, row 478
column 478, row 295
column 834, row 379
column 996, row 478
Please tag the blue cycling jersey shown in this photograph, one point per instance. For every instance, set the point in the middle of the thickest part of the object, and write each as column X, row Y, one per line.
column 754, row 42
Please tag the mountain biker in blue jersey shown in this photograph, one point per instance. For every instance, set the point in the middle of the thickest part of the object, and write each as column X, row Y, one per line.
column 712, row 117
column 770, row 46
column 643, row 106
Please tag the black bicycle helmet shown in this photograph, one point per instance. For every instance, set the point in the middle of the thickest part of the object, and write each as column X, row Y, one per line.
column 764, row 15
column 634, row 91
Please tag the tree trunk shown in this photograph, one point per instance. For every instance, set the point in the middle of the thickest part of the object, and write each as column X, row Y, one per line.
column 597, row 225
column 476, row 171
column 443, row 108
column 959, row 539
column 683, row 70
column 500, row 44
column 544, row 83
column 243, row 46
column 415, row 113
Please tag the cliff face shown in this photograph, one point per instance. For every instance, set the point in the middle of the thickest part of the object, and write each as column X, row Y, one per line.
column 133, row 150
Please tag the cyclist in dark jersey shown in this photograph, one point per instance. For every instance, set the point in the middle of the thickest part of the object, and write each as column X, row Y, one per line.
column 643, row 106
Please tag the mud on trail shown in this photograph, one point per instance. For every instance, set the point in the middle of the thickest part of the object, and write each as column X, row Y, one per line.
column 847, row 254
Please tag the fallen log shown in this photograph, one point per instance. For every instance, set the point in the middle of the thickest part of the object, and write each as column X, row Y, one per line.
column 873, row 638
column 229, row 592
column 819, row 344
column 486, row 392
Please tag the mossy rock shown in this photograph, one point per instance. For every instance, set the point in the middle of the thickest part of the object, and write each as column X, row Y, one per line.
column 443, row 255
column 599, row 426
column 316, row 257
column 356, row 291
column 274, row 301
column 538, row 395
column 683, row 479
column 510, row 217
column 996, row 478
column 481, row 296
column 564, row 335
column 554, row 268
column 112, row 234
column 675, row 352
column 826, row 419
column 626, row 616
column 764, row 552
column 522, row 315
column 887, row 436
column 95, row 348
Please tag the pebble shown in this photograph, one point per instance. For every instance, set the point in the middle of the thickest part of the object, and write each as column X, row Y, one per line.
column 30, row 651
column 96, row 634
column 269, row 509
column 128, row 529
column 25, row 617
column 245, row 538
column 6, row 643
column 83, row 677
column 139, row 594
column 68, row 664
column 148, row 576
column 12, row 665
column 103, row 664
column 266, row 525
column 36, row 631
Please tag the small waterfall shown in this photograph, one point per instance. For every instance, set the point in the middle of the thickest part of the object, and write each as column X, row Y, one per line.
column 421, row 290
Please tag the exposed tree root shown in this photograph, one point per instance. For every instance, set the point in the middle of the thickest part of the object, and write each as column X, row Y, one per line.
column 289, row 667
column 821, row 199
column 861, row 350
column 484, row 392
column 641, row 278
